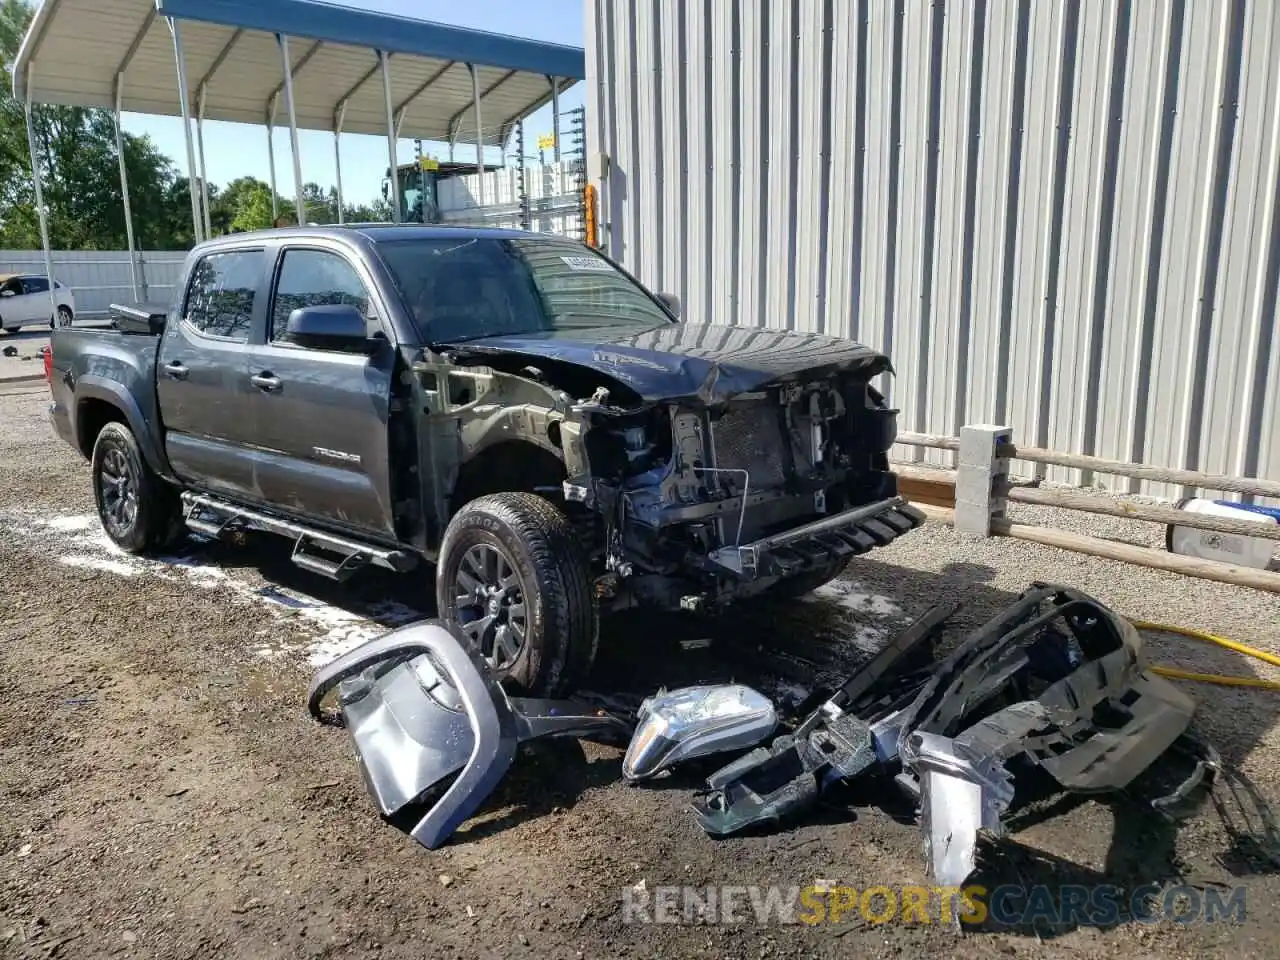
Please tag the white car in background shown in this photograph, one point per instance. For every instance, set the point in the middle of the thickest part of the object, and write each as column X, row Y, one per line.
column 24, row 299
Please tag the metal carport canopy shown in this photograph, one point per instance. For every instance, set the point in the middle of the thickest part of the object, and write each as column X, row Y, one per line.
column 76, row 50
column 233, row 60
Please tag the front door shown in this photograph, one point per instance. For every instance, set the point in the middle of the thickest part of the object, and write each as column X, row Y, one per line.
column 321, row 415
column 202, row 373
column 36, row 305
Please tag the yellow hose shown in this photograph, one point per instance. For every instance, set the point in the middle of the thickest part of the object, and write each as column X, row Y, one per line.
column 1173, row 673
column 1178, row 674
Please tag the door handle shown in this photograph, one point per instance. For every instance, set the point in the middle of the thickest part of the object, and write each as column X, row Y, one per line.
column 266, row 381
column 176, row 370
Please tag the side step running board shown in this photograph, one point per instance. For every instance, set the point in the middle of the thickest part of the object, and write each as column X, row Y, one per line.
column 315, row 550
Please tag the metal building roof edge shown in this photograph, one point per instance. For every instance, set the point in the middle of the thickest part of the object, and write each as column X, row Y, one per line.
column 29, row 46
column 345, row 25
column 381, row 31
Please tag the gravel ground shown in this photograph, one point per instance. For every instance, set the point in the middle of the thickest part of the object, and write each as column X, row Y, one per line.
column 163, row 793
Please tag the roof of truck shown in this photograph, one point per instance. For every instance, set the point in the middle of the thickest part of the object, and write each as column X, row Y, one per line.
column 378, row 232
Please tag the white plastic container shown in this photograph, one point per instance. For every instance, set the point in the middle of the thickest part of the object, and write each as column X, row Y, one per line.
column 1224, row 547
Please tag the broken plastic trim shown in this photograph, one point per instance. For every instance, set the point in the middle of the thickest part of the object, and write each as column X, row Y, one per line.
column 433, row 727
column 841, row 740
column 1091, row 716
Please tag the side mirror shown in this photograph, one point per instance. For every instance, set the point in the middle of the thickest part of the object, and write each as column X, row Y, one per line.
column 337, row 326
column 671, row 302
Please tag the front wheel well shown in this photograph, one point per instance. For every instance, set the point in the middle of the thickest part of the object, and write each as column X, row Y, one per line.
column 512, row 466
column 91, row 416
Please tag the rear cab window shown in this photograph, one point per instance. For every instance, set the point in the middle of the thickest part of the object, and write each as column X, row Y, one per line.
column 220, row 294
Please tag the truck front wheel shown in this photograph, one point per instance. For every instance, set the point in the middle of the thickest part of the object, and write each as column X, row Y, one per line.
column 138, row 510
column 513, row 575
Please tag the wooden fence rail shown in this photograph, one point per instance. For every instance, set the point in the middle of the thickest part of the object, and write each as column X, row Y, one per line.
column 934, row 489
column 1254, row 486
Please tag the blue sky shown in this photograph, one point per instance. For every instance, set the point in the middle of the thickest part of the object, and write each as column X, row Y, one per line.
column 236, row 150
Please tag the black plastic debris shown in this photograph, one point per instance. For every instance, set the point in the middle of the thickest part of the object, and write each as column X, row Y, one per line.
column 843, row 739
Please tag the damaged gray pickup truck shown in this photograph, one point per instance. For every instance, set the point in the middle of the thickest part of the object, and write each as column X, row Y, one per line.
column 514, row 409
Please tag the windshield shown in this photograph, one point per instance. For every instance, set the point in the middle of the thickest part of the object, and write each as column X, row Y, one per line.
column 468, row 288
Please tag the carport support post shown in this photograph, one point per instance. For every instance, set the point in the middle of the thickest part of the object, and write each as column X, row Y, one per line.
column 298, row 199
column 339, row 119
column 35, row 180
column 475, row 94
column 555, row 116
column 271, row 157
column 979, row 470
column 124, row 190
column 385, row 62
column 204, row 170
column 184, row 99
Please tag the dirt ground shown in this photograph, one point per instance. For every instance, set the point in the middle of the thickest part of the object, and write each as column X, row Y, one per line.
column 163, row 792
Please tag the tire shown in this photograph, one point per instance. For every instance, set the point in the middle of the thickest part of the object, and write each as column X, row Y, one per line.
column 63, row 318
column 521, row 552
column 139, row 512
column 794, row 587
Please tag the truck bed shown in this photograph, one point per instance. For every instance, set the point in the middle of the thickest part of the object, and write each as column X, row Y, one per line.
column 108, row 365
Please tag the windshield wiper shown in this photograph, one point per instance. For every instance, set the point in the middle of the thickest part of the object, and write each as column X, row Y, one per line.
column 453, row 249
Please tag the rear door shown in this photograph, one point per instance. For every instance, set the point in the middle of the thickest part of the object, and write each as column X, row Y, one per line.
column 320, row 416
column 202, row 372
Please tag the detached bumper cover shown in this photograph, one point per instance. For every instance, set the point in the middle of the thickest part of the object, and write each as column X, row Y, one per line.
column 837, row 537
column 434, row 730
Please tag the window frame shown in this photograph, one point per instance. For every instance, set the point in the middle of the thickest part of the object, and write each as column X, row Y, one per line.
column 190, row 327
column 27, row 281
column 357, row 266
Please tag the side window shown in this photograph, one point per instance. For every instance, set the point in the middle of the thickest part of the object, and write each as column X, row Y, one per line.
column 313, row 278
column 35, row 285
column 220, row 295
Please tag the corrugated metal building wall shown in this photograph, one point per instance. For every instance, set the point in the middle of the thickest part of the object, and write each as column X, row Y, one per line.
column 1055, row 214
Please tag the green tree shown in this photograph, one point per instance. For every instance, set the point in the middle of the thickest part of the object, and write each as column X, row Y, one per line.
column 251, row 200
column 80, row 172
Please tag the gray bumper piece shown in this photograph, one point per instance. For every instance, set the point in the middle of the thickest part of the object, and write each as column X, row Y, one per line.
column 434, row 729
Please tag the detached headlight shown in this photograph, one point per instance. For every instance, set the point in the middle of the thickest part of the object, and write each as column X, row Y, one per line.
column 696, row 721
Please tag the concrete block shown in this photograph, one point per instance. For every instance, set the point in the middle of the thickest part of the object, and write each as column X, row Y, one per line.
column 978, row 470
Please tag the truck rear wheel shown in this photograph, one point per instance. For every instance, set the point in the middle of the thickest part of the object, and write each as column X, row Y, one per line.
column 138, row 510
column 513, row 575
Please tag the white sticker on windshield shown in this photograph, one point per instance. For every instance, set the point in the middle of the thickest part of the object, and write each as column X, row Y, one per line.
column 587, row 263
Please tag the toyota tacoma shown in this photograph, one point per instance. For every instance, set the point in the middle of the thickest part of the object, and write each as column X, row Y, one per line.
column 512, row 409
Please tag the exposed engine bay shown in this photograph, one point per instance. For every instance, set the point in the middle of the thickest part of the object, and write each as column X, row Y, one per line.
column 692, row 491
column 700, row 476
column 700, row 491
